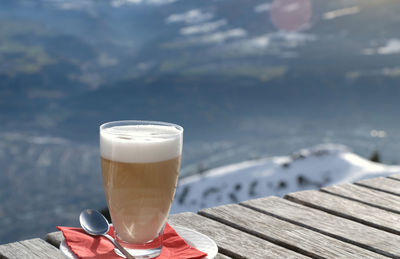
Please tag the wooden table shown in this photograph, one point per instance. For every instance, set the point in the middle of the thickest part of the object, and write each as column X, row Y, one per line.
column 360, row 220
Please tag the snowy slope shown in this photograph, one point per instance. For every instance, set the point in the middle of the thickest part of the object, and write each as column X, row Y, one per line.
column 312, row 168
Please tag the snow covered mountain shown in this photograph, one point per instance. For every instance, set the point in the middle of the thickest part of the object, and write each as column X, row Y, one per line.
column 312, row 168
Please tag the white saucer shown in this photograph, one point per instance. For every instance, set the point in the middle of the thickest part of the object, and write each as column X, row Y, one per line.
column 193, row 238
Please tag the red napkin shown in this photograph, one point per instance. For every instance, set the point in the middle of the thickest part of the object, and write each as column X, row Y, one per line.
column 87, row 246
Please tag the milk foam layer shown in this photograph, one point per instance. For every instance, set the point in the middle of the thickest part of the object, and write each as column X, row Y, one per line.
column 140, row 143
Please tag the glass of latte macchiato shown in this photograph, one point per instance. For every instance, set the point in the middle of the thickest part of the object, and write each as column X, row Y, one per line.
column 140, row 162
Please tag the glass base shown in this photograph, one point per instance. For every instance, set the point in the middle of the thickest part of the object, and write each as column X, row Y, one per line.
column 147, row 250
column 141, row 253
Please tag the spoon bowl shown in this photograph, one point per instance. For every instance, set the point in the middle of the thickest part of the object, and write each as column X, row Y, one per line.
column 95, row 224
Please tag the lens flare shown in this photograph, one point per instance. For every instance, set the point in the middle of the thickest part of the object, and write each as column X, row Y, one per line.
column 290, row 15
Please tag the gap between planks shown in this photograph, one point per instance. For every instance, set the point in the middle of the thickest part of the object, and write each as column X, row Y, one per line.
column 368, row 196
column 319, row 221
column 284, row 233
column 347, row 208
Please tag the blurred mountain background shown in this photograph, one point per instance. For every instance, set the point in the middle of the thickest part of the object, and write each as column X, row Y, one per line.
column 245, row 78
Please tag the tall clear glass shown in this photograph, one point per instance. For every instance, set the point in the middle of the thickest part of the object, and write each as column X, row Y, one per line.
column 140, row 161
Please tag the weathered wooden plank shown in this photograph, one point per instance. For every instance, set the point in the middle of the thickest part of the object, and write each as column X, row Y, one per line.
column 350, row 209
column 230, row 241
column 373, row 239
column 394, row 176
column 291, row 236
column 221, row 256
column 382, row 184
column 365, row 195
column 32, row 248
column 55, row 238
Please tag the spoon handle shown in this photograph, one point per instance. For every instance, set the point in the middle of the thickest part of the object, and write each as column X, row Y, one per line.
column 120, row 248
